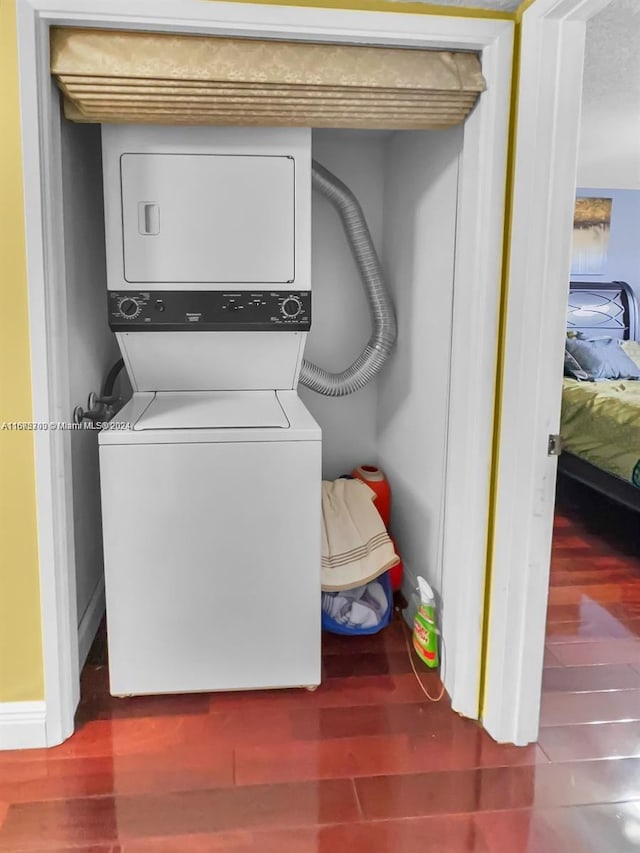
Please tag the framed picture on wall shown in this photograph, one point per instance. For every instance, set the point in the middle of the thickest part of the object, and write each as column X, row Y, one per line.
column 591, row 229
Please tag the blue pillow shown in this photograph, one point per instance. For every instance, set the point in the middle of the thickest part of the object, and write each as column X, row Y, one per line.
column 573, row 369
column 603, row 358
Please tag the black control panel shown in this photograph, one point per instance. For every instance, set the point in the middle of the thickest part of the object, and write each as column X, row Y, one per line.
column 209, row 311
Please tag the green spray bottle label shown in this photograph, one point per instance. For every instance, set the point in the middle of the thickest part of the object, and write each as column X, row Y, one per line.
column 425, row 631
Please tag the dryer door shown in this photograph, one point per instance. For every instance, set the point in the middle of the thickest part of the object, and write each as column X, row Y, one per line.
column 208, row 218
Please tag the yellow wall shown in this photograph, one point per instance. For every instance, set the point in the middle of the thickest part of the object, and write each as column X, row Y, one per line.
column 21, row 677
column 413, row 7
column 21, row 672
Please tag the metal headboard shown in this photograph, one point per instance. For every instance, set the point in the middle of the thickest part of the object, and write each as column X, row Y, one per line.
column 606, row 309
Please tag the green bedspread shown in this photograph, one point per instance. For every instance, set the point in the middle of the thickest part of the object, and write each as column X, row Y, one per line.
column 601, row 423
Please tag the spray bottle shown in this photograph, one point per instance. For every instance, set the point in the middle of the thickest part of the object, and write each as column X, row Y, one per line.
column 425, row 631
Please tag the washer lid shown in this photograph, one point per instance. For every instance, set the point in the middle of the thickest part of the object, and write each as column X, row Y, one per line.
column 213, row 410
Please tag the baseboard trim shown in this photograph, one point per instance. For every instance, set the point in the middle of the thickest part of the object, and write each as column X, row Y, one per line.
column 23, row 725
column 90, row 622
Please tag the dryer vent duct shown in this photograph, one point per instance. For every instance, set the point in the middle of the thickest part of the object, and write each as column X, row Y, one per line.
column 383, row 336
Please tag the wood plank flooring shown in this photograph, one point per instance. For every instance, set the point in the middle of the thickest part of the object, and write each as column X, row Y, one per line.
column 365, row 764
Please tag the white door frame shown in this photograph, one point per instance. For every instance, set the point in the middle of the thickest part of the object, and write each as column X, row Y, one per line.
column 548, row 117
column 478, row 262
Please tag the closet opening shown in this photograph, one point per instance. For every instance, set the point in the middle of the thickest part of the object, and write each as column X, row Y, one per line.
column 407, row 185
column 385, row 424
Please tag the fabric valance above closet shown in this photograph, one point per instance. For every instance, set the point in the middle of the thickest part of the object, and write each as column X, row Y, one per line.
column 159, row 78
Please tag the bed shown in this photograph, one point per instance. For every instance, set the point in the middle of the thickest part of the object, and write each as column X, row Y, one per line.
column 600, row 423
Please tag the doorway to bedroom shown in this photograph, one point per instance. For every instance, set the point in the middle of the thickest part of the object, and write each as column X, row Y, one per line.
column 591, row 685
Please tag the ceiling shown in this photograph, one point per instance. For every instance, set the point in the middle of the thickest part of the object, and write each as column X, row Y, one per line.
column 612, row 54
column 609, row 154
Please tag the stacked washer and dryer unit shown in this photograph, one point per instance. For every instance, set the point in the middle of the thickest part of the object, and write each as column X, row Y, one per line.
column 210, row 475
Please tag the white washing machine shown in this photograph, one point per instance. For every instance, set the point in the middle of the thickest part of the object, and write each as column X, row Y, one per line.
column 211, row 516
column 211, row 474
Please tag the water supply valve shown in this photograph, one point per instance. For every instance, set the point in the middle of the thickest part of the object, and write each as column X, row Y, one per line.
column 99, row 409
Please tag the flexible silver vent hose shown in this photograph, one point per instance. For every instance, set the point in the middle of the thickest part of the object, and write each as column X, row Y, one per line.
column 383, row 336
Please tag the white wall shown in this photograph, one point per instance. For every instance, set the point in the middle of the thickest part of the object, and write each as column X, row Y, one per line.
column 609, row 151
column 92, row 347
column 340, row 315
column 420, row 207
column 407, row 185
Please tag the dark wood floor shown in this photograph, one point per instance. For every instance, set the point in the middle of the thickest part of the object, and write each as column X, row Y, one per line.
column 365, row 764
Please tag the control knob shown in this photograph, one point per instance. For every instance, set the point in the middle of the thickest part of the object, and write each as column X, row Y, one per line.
column 291, row 307
column 129, row 307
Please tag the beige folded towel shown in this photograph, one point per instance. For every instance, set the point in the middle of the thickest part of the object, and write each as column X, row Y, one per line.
column 356, row 547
